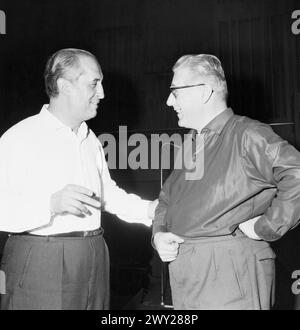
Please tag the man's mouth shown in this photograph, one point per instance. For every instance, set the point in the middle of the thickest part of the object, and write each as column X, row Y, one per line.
column 95, row 103
column 179, row 114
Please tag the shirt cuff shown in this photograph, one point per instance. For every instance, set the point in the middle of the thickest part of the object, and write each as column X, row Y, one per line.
column 263, row 229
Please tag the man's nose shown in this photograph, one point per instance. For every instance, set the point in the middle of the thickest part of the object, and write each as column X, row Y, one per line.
column 100, row 91
column 170, row 100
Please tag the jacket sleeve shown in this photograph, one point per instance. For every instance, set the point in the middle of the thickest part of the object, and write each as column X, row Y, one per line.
column 159, row 223
column 269, row 158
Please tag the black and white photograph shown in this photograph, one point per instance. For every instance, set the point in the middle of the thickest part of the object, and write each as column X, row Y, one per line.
column 149, row 157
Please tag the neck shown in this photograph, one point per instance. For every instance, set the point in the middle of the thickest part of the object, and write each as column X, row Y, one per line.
column 211, row 113
column 62, row 112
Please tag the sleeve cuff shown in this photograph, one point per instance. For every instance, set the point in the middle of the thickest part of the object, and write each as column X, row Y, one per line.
column 263, row 229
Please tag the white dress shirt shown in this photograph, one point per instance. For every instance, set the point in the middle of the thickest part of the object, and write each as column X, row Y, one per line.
column 40, row 156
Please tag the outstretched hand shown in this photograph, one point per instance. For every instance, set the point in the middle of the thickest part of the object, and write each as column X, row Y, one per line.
column 73, row 199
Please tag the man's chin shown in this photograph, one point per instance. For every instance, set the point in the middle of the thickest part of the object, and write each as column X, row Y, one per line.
column 181, row 123
column 91, row 114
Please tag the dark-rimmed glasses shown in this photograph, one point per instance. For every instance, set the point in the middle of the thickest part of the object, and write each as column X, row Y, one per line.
column 174, row 88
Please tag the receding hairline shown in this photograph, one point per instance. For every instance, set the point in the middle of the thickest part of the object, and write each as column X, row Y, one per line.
column 206, row 66
column 78, row 68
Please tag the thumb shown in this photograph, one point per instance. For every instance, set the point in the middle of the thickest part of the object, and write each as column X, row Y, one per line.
column 174, row 238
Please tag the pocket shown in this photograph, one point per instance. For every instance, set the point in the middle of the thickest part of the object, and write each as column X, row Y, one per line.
column 237, row 275
column 181, row 267
column 265, row 274
column 265, row 254
column 265, row 259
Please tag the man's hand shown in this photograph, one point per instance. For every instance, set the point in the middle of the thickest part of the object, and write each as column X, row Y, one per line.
column 151, row 209
column 247, row 228
column 167, row 245
column 72, row 199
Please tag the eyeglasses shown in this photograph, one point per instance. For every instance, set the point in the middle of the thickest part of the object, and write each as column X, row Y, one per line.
column 172, row 88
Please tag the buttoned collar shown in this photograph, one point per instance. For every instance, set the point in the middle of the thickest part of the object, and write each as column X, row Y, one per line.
column 55, row 124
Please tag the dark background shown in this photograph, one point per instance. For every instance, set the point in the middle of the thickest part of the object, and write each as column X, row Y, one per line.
column 137, row 42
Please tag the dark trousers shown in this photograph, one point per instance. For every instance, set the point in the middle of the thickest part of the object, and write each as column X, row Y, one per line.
column 223, row 273
column 56, row 273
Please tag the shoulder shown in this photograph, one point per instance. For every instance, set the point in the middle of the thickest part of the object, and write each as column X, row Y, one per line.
column 246, row 127
column 21, row 135
column 25, row 127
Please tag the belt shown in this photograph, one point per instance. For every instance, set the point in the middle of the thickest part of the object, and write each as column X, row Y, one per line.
column 90, row 233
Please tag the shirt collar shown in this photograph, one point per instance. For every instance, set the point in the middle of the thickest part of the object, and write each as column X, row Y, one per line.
column 218, row 123
column 55, row 124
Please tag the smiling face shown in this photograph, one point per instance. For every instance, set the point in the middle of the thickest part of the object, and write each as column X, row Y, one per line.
column 187, row 102
column 86, row 91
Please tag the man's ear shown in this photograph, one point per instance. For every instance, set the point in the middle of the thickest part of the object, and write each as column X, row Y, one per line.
column 64, row 86
column 206, row 93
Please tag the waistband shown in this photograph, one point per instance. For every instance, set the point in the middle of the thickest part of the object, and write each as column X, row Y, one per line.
column 89, row 233
column 211, row 239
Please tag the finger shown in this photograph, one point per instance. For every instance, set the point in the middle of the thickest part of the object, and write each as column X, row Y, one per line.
column 168, row 259
column 171, row 247
column 86, row 199
column 74, row 210
column 80, row 189
column 167, row 254
column 86, row 211
column 175, row 238
column 80, row 207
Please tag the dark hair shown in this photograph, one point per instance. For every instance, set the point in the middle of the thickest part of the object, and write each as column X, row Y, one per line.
column 58, row 65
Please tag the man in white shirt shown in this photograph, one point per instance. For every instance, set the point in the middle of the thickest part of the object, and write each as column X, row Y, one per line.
column 53, row 182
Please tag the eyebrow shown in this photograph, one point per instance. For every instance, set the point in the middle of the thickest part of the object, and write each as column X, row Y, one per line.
column 96, row 80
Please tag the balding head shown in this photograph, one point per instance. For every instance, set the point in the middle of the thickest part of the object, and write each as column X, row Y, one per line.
column 65, row 63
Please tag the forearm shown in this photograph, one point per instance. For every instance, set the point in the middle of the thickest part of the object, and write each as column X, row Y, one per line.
column 284, row 212
column 272, row 160
column 128, row 207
